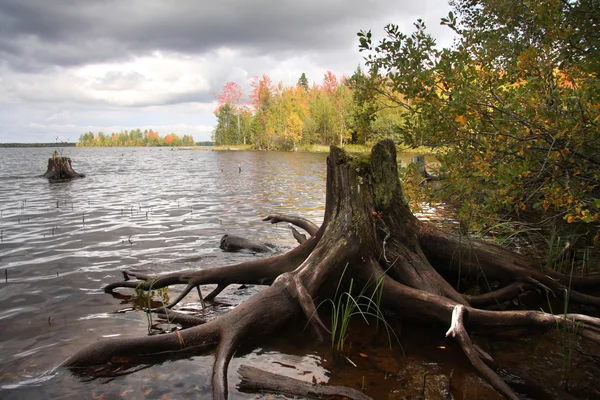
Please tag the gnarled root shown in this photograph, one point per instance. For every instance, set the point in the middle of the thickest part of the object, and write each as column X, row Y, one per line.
column 489, row 262
column 457, row 330
column 368, row 235
column 256, row 272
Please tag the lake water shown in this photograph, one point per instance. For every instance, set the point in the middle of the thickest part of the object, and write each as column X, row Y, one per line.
column 158, row 210
column 136, row 207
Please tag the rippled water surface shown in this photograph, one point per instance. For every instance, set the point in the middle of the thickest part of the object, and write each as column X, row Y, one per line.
column 158, row 210
column 151, row 208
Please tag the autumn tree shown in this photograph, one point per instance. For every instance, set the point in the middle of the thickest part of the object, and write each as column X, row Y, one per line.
column 343, row 103
column 172, row 139
column 86, row 139
column 332, row 112
column 152, row 138
column 100, row 139
column 293, row 129
column 226, row 132
column 322, row 112
column 261, row 100
column 231, row 96
column 364, row 108
column 188, row 140
column 512, row 105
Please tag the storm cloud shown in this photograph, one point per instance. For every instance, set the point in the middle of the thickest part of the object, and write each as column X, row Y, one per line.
column 134, row 58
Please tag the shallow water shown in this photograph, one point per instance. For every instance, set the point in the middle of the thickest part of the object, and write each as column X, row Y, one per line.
column 162, row 211
column 136, row 207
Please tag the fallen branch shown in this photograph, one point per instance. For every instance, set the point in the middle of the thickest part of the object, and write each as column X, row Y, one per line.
column 257, row 380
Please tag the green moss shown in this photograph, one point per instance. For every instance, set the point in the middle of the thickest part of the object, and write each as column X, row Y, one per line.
column 358, row 221
column 361, row 163
column 385, row 174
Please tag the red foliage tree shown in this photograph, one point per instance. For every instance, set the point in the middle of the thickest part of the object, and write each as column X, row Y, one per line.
column 231, row 94
column 330, row 83
column 262, row 90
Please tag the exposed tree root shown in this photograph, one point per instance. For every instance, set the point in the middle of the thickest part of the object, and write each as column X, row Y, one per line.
column 509, row 292
column 175, row 317
column 457, row 330
column 258, row 272
column 368, row 236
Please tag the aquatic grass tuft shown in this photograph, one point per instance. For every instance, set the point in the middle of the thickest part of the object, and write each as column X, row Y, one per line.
column 347, row 305
column 568, row 333
column 146, row 297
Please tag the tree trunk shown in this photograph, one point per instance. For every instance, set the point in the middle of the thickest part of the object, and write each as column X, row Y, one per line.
column 370, row 240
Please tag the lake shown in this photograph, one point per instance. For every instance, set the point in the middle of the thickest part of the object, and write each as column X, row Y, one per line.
column 159, row 210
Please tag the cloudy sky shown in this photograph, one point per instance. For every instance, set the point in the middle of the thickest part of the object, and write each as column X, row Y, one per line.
column 72, row 66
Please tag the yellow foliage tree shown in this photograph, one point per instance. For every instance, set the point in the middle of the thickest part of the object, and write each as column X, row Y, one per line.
column 293, row 129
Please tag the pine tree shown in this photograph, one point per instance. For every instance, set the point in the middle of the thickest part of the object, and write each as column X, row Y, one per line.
column 303, row 81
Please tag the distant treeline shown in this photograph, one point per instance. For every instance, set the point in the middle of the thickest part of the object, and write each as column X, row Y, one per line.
column 339, row 110
column 135, row 137
column 38, row 144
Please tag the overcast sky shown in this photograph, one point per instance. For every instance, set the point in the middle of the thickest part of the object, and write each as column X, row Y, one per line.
column 72, row 66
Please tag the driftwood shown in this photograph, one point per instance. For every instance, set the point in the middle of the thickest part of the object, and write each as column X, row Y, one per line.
column 237, row 243
column 257, row 380
column 60, row 169
column 368, row 237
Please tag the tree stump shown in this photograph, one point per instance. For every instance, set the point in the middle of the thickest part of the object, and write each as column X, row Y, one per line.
column 369, row 240
column 60, row 169
column 419, row 161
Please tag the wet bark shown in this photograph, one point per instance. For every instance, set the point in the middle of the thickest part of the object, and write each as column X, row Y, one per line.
column 237, row 243
column 60, row 169
column 256, row 380
column 370, row 237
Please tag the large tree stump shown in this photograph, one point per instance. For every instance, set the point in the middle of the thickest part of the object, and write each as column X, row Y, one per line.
column 60, row 169
column 370, row 240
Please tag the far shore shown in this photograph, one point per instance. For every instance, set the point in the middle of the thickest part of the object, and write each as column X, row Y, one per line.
column 38, row 145
column 350, row 148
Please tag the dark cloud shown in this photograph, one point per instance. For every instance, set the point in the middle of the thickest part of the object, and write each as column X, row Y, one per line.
column 69, row 66
column 37, row 33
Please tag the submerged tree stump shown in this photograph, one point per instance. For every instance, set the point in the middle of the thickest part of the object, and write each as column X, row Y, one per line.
column 419, row 161
column 369, row 240
column 60, row 169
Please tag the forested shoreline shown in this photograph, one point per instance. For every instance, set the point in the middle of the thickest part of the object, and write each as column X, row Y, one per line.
column 275, row 116
column 13, row 145
column 511, row 109
column 135, row 137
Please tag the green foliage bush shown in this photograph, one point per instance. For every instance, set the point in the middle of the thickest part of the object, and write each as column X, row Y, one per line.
column 513, row 105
